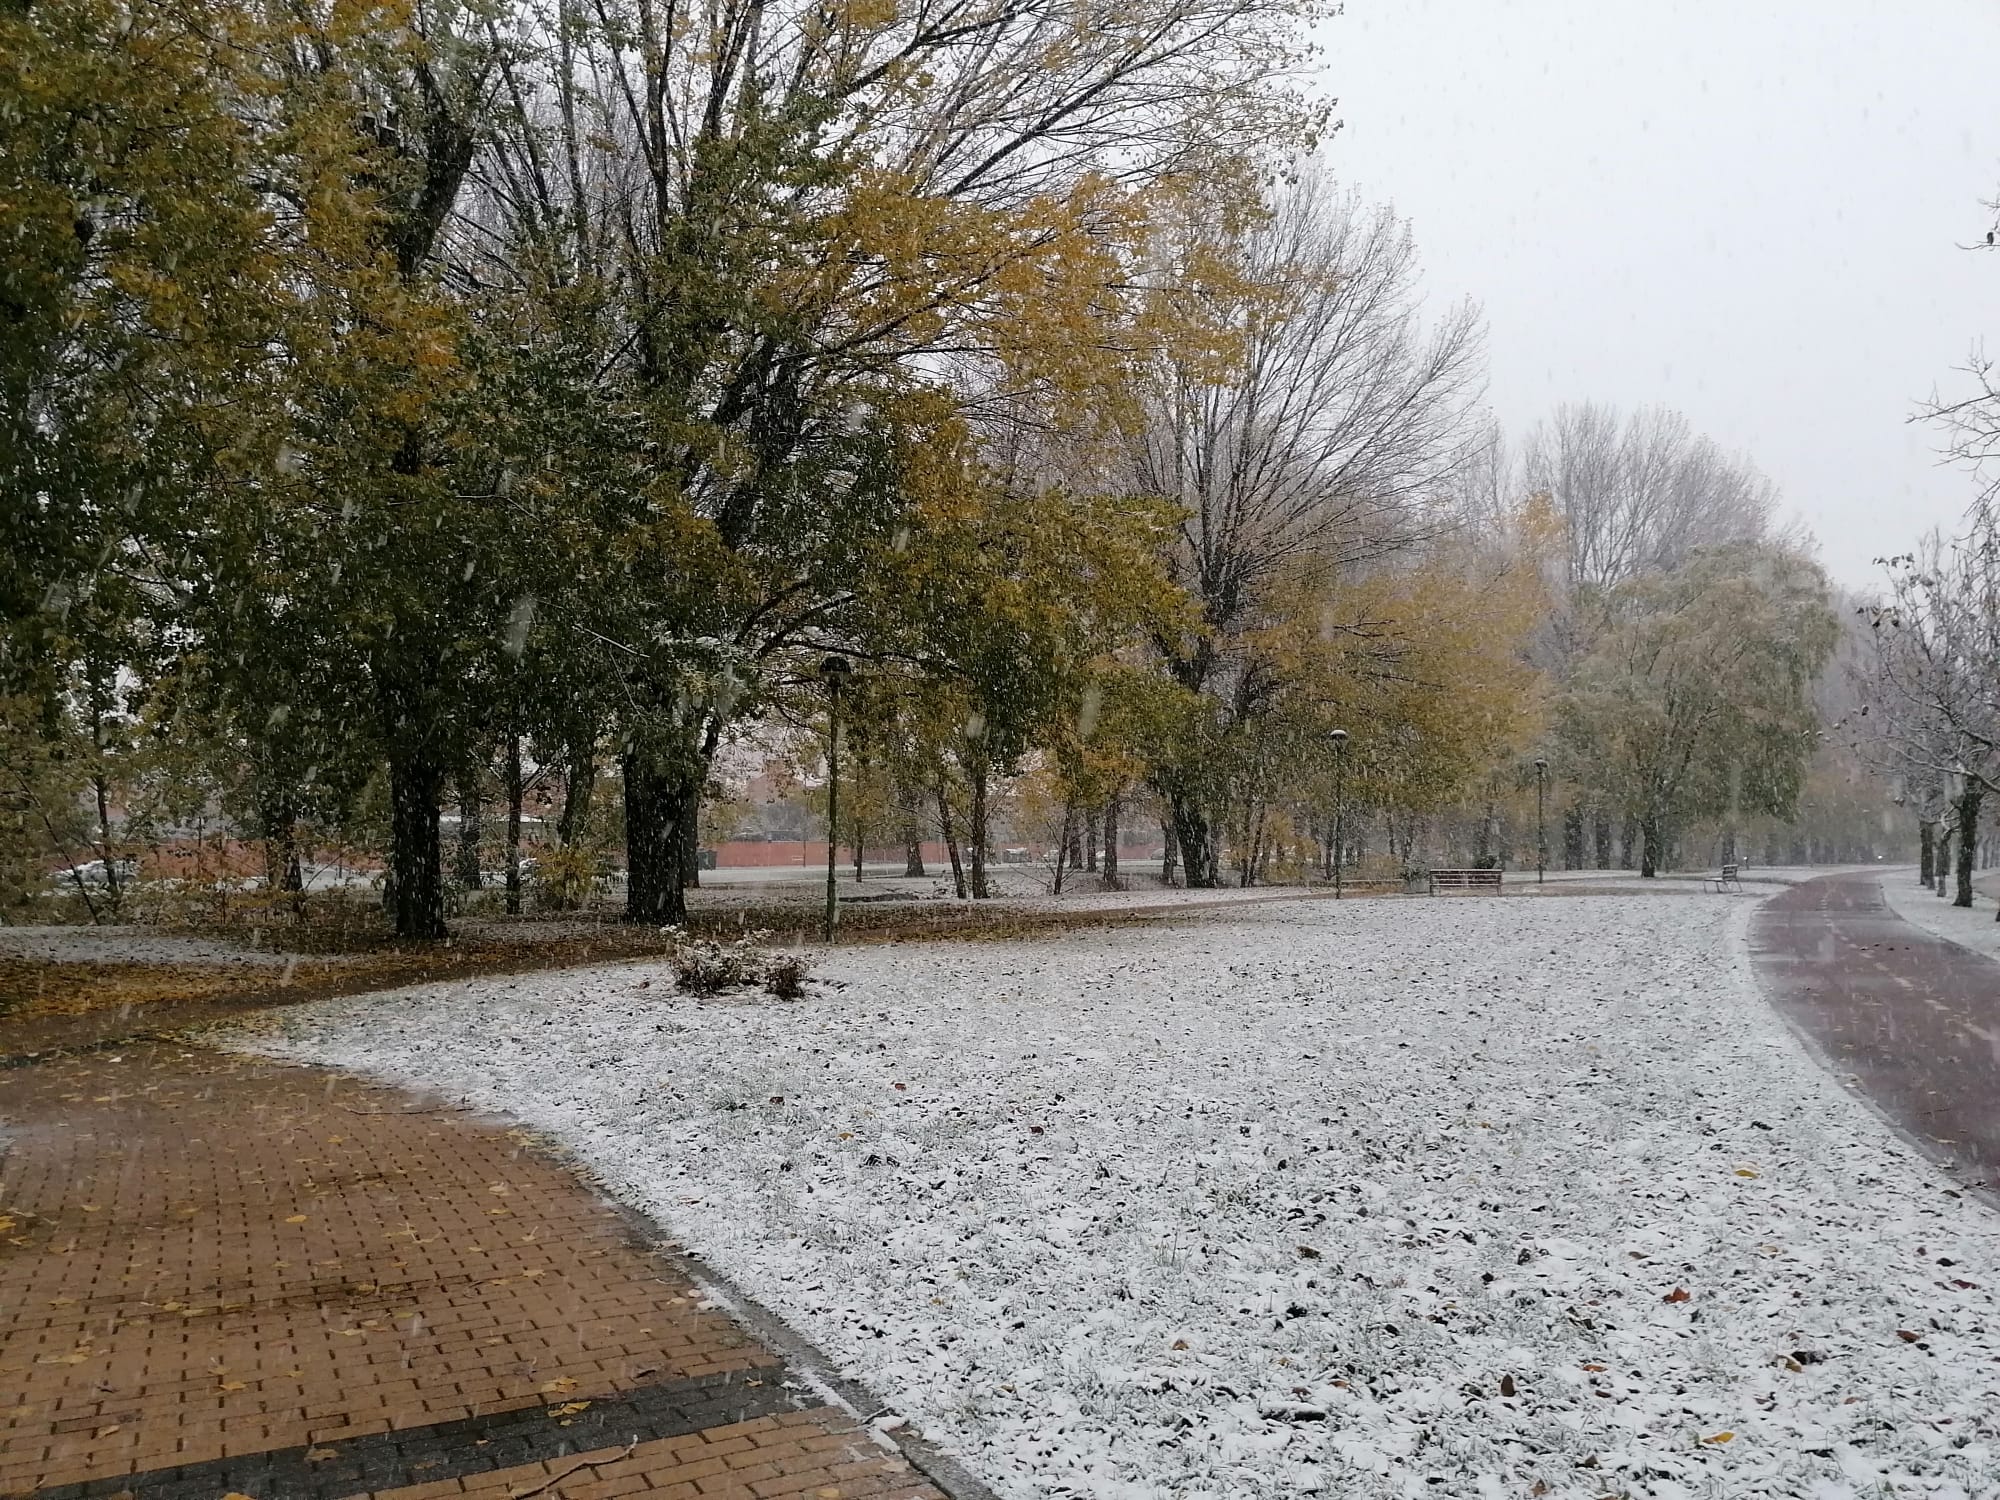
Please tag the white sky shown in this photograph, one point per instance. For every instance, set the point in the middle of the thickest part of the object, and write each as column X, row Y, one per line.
column 1746, row 209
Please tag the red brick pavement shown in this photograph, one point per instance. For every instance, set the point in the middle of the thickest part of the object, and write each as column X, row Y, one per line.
column 204, row 1257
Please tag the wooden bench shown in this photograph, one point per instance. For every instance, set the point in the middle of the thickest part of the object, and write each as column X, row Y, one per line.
column 1725, row 880
column 1465, row 880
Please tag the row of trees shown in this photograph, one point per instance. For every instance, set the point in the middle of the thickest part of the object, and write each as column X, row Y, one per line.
column 1930, row 683
column 1933, row 708
column 407, row 405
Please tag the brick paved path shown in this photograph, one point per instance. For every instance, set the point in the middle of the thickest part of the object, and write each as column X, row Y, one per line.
column 220, row 1277
column 1914, row 1019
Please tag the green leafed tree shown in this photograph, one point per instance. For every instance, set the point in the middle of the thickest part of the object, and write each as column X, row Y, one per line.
column 1697, row 697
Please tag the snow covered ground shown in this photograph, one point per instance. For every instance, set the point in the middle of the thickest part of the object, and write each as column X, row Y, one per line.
column 1459, row 1198
column 1971, row 927
column 125, row 944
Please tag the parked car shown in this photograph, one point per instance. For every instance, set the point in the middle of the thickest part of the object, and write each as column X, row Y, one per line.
column 96, row 872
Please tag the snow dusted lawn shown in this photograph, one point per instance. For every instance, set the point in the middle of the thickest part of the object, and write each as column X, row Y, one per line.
column 1386, row 1198
column 1970, row 927
column 126, row 944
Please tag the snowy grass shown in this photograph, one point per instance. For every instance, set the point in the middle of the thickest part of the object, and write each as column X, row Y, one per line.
column 126, row 944
column 1388, row 1198
column 1971, row 927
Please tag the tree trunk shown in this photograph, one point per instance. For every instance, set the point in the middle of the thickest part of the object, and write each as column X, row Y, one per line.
column 1650, row 846
column 1926, row 847
column 1482, row 850
column 1072, row 838
column 281, row 848
column 1968, row 841
column 979, row 888
column 415, row 885
column 654, row 804
column 1166, row 854
column 1062, row 847
column 950, row 838
column 465, row 864
column 1108, row 877
column 579, row 784
column 1253, row 852
column 688, row 824
column 1943, row 860
column 1195, row 836
column 908, row 798
column 1572, row 838
column 1090, row 842
column 1628, row 833
column 1601, row 833
column 114, row 889
column 516, row 787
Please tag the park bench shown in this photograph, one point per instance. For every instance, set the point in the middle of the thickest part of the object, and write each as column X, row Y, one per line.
column 1465, row 880
column 1725, row 880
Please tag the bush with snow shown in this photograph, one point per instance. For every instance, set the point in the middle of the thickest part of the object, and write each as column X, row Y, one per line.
column 709, row 966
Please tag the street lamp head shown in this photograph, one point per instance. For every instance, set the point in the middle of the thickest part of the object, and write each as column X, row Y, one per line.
column 1339, row 738
column 1541, row 763
column 836, row 669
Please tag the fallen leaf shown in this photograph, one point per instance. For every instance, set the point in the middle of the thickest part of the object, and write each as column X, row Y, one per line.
column 1678, row 1294
column 1720, row 1437
column 1745, row 1172
column 296, row 1219
column 1906, row 1336
column 235, row 1385
column 562, row 1385
column 569, row 1408
column 1507, row 1385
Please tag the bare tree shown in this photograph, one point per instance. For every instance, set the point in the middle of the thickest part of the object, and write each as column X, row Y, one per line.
column 1640, row 493
column 1937, row 679
column 1317, row 440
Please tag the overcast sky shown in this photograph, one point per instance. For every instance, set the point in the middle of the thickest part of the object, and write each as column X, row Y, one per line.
column 1746, row 209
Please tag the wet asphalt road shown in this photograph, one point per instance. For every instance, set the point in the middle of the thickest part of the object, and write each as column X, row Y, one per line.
column 1913, row 1019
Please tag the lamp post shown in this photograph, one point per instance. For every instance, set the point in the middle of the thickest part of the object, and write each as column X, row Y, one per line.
column 1339, row 738
column 835, row 671
column 1541, row 820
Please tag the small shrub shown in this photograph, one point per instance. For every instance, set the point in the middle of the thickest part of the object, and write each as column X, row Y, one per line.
column 565, row 876
column 785, row 975
column 707, row 966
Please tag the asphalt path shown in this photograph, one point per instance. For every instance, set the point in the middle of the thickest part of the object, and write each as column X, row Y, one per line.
column 1911, row 1020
